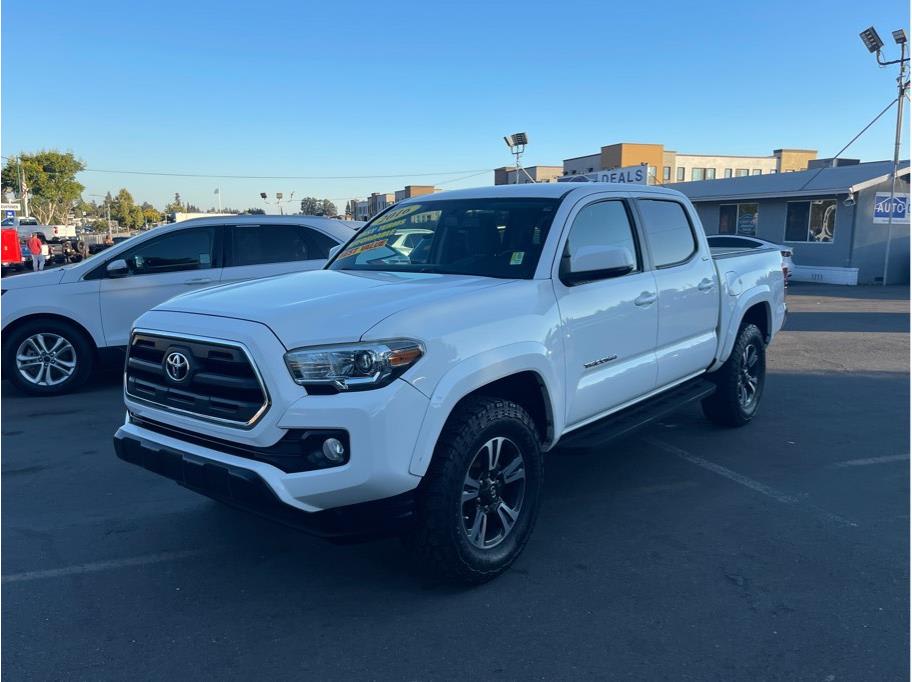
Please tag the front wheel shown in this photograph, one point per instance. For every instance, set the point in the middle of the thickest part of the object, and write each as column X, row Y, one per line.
column 739, row 382
column 480, row 498
column 47, row 357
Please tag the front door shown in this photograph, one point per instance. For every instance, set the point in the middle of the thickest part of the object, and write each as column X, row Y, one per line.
column 610, row 325
column 159, row 269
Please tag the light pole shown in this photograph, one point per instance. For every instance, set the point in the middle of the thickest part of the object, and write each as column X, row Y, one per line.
column 874, row 44
column 278, row 200
column 517, row 143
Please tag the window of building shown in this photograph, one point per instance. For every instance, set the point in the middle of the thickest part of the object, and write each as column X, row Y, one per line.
column 741, row 172
column 698, row 174
column 666, row 173
column 710, row 173
column 811, row 221
column 604, row 223
column 668, row 230
column 772, row 170
column 756, row 171
column 739, row 219
column 728, row 172
column 680, row 173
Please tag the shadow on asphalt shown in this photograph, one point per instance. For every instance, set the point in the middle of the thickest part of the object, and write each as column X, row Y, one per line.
column 846, row 322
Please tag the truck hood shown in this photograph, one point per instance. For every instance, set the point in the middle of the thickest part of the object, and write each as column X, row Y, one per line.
column 33, row 279
column 326, row 306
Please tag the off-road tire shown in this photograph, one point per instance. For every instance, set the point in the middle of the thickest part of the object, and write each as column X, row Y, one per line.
column 440, row 542
column 725, row 407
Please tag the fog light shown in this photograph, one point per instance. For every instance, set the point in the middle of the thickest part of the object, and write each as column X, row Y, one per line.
column 333, row 450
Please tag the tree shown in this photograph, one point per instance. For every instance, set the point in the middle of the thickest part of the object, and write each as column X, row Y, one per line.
column 255, row 211
column 122, row 210
column 329, row 208
column 151, row 216
column 314, row 206
column 50, row 179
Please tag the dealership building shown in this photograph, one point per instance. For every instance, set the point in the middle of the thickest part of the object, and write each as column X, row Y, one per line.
column 835, row 218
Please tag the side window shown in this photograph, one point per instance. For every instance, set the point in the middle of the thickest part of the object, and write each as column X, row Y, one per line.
column 262, row 244
column 320, row 243
column 604, row 223
column 671, row 238
column 185, row 250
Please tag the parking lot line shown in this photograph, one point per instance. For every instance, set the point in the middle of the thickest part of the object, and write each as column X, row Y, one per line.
column 97, row 566
column 871, row 460
column 756, row 486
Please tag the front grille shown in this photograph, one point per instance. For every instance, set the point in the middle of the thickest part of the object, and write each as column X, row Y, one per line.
column 212, row 380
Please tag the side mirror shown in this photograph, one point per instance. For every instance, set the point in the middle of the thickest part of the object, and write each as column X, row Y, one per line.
column 334, row 250
column 598, row 262
column 118, row 268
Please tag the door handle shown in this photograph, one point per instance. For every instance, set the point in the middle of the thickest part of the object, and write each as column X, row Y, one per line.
column 705, row 284
column 645, row 299
column 198, row 280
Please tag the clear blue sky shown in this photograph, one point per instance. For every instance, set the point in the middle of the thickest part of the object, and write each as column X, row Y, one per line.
column 375, row 88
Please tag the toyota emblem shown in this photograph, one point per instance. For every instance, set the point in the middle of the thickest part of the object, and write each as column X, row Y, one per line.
column 177, row 366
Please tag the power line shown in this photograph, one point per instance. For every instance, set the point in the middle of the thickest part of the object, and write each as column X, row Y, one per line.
column 475, row 171
column 863, row 130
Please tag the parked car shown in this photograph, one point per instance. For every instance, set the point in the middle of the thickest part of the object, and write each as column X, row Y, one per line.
column 56, row 323
column 418, row 394
column 725, row 241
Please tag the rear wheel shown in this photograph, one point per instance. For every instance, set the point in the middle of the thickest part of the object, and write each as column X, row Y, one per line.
column 47, row 357
column 480, row 498
column 740, row 381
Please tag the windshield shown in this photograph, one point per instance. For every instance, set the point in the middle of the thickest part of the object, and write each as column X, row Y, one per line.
column 487, row 237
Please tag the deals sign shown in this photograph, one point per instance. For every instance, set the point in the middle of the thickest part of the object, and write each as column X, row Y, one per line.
column 882, row 208
column 631, row 175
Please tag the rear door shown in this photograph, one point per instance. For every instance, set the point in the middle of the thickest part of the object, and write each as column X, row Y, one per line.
column 688, row 290
column 159, row 268
column 610, row 324
column 265, row 250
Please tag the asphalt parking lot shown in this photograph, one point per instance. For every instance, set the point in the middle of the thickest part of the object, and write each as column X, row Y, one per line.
column 777, row 551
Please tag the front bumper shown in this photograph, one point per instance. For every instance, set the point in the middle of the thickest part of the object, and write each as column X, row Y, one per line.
column 246, row 489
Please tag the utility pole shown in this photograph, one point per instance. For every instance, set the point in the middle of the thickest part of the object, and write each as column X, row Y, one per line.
column 900, row 100
column 23, row 190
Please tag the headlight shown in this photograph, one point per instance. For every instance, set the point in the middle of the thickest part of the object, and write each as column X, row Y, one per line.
column 353, row 366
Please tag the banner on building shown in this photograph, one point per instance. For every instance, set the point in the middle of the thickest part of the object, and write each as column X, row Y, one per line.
column 630, row 175
column 882, row 208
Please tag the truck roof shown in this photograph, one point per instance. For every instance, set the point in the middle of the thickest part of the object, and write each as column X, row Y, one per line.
column 553, row 190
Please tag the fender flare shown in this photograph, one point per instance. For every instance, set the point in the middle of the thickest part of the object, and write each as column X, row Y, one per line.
column 474, row 373
column 751, row 297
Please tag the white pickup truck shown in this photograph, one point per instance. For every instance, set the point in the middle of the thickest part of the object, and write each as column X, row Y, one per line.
column 415, row 390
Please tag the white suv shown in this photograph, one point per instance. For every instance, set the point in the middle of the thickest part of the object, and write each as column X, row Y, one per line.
column 57, row 323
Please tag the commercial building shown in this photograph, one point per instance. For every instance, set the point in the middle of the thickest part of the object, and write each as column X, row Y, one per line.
column 667, row 166
column 506, row 175
column 356, row 209
column 410, row 191
column 378, row 201
column 835, row 218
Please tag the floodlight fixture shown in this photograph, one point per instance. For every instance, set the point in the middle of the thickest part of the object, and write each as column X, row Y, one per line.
column 899, row 35
column 516, row 140
column 871, row 40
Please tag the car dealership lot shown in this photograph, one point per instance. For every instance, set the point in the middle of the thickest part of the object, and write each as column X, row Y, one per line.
column 778, row 551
